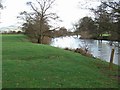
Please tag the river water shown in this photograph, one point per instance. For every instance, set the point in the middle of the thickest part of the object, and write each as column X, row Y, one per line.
column 97, row 48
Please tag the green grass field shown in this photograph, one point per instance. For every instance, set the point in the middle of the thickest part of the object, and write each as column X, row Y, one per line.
column 30, row 65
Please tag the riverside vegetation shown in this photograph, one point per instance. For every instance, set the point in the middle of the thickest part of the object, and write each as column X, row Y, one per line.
column 29, row 65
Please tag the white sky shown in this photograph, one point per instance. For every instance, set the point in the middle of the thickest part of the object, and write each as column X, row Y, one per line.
column 68, row 10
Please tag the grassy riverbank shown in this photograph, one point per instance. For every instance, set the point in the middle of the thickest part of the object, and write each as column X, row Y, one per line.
column 31, row 65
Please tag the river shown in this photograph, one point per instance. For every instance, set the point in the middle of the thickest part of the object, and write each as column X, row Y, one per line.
column 97, row 48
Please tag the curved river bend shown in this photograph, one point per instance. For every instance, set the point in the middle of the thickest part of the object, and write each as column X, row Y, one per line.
column 99, row 49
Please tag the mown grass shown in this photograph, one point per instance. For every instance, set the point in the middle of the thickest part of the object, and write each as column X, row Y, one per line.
column 28, row 65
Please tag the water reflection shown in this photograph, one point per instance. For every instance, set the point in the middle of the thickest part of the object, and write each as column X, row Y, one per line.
column 99, row 49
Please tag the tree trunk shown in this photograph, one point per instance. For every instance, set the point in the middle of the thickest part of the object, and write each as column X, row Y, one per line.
column 40, row 39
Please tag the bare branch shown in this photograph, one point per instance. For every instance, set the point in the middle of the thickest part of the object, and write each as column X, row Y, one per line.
column 49, row 5
column 33, row 7
column 113, row 7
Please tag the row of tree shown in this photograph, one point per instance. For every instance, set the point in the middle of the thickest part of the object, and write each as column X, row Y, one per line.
column 12, row 32
column 106, row 21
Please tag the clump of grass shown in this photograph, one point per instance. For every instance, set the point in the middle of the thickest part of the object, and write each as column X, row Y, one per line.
column 81, row 51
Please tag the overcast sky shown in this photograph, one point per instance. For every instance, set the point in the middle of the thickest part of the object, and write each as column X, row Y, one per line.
column 69, row 11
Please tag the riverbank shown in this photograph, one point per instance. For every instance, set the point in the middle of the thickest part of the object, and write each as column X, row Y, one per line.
column 30, row 65
column 97, row 48
column 102, row 38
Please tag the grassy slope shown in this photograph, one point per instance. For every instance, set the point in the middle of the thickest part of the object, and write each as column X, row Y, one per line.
column 31, row 65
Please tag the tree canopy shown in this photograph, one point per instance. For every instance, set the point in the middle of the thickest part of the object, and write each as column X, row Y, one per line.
column 106, row 21
column 36, row 22
column 86, row 26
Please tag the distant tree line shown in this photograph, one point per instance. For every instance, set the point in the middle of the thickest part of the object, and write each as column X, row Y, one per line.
column 105, row 23
column 12, row 32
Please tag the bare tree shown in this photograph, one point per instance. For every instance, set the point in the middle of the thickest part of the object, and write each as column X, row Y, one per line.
column 43, row 14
